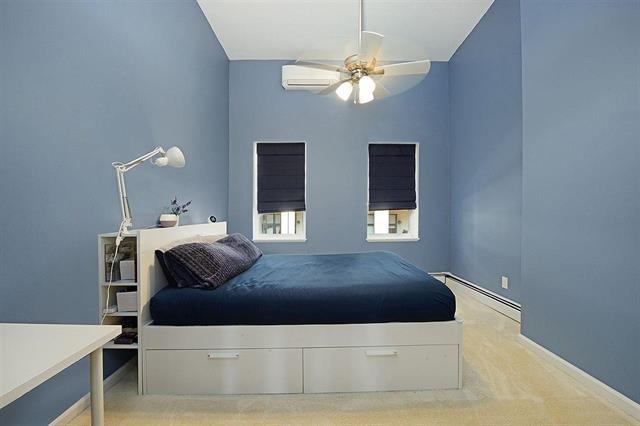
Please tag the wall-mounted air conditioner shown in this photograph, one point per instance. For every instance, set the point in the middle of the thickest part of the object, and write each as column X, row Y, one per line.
column 296, row 77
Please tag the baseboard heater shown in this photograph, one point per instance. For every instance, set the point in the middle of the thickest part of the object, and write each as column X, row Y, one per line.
column 509, row 303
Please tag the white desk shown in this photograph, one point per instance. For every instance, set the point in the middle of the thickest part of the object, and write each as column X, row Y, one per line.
column 33, row 353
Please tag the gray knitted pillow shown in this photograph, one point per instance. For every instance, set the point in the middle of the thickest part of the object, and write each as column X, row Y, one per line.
column 209, row 265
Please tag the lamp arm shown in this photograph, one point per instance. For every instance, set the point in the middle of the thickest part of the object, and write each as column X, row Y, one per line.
column 133, row 163
column 124, row 205
column 122, row 194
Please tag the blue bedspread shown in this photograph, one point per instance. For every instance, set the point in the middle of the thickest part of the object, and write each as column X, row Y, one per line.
column 353, row 288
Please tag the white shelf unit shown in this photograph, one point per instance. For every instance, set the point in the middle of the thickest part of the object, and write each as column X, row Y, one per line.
column 122, row 314
column 121, row 283
column 105, row 241
column 111, row 345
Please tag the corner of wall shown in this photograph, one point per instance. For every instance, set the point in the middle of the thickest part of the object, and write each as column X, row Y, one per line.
column 449, row 165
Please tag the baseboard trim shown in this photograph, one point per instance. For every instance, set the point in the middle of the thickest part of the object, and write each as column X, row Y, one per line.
column 601, row 389
column 80, row 405
column 493, row 300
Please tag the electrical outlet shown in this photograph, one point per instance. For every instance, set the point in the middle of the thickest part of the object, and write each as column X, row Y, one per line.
column 505, row 282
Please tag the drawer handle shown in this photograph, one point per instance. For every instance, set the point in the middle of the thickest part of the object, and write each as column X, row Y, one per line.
column 223, row 355
column 381, row 352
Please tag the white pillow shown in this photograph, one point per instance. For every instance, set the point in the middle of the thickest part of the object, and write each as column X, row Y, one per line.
column 193, row 239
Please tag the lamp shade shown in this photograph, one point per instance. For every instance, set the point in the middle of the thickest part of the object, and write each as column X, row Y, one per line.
column 364, row 97
column 174, row 157
column 367, row 84
column 344, row 90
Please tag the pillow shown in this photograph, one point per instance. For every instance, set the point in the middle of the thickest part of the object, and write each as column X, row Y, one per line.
column 165, row 270
column 209, row 265
column 194, row 239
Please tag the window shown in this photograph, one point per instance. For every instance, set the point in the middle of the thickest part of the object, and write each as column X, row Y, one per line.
column 392, row 192
column 282, row 223
column 395, row 222
column 279, row 190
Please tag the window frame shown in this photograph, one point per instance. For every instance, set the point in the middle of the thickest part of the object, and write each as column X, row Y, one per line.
column 414, row 215
column 259, row 237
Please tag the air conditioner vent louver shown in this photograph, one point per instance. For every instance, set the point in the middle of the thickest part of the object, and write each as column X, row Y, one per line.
column 303, row 78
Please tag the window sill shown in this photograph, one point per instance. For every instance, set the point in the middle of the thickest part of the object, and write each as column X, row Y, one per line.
column 280, row 240
column 389, row 239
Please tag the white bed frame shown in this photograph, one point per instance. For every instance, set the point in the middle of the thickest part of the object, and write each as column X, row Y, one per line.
column 248, row 359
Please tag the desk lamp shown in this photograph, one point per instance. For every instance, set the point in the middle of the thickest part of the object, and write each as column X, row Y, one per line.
column 172, row 157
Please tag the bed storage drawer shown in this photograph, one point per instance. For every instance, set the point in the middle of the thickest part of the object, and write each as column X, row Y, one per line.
column 361, row 369
column 243, row 371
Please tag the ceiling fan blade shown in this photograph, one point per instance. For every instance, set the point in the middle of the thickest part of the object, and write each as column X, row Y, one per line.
column 380, row 91
column 321, row 66
column 370, row 44
column 397, row 84
column 405, row 68
column 331, row 89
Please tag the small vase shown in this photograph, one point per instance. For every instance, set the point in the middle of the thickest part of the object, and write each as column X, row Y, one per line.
column 169, row 220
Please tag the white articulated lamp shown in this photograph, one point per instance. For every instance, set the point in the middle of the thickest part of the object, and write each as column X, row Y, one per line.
column 172, row 157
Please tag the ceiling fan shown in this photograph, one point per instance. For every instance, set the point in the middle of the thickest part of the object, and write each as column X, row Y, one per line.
column 363, row 78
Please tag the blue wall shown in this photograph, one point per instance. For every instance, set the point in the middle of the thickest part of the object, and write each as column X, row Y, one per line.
column 551, row 199
column 85, row 84
column 581, row 184
column 485, row 82
column 337, row 134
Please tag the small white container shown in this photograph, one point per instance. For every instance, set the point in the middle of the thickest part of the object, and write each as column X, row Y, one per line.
column 128, row 270
column 169, row 220
column 127, row 301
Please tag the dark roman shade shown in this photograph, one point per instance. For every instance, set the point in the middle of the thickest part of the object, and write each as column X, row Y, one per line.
column 281, row 177
column 392, row 177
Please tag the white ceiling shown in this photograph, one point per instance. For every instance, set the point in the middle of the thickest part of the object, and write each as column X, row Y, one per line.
column 289, row 29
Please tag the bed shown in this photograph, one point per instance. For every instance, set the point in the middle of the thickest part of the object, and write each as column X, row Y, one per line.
column 302, row 324
column 280, row 289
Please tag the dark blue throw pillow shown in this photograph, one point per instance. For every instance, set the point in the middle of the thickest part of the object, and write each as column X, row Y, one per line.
column 209, row 265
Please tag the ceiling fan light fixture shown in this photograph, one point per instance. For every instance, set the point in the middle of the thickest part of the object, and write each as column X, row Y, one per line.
column 355, row 81
column 367, row 84
column 364, row 96
column 344, row 90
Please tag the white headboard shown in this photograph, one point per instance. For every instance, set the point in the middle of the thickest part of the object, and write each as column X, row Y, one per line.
column 151, row 278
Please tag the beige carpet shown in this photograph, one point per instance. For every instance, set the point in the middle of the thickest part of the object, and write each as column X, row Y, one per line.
column 504, row 384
